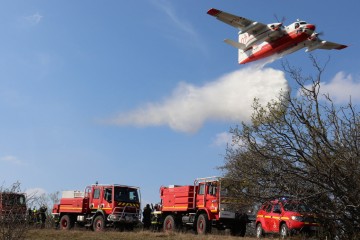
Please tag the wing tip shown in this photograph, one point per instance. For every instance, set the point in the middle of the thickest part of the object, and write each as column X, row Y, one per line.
column 341, row 47
column 213, row 12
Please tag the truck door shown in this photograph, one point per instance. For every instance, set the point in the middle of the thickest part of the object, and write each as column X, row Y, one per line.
column 274, row 219
column 108, row 200
column 267, row 216
column 96, row 197
column 211, row 198
column 200, row 196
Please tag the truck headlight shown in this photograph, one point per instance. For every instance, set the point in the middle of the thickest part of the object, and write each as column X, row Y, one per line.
column 297, row 218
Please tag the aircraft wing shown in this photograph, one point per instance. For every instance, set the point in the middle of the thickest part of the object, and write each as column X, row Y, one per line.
column 240, row 23
column 331, row 45
column 321, row 44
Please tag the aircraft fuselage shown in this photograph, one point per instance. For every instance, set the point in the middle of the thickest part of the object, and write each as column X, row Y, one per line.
column 289, row 42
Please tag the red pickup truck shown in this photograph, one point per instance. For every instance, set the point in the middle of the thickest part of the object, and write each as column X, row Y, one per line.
column 285, row 217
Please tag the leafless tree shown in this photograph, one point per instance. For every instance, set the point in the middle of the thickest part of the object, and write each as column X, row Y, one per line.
column 53, row 198
column 303, row 146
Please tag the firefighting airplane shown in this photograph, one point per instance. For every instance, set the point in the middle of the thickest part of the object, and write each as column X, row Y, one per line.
column 258, row 40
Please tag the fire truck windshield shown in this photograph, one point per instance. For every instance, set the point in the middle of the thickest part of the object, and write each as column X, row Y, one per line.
column 125, row 194
column 13, row 199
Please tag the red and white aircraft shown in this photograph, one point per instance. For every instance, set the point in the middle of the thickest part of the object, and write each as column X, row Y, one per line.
column 258, row 40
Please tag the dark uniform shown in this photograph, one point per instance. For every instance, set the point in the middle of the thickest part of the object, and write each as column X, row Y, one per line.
column 244, row 220
column 42, row 215
column 147, row 217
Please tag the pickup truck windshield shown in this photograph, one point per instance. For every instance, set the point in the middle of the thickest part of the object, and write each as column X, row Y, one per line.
column 296, row 207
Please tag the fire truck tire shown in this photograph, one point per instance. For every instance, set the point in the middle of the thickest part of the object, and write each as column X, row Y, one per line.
column 169, row 224
column 202, row 224
column 99, row 223
column 65, row 222
column 284, row 231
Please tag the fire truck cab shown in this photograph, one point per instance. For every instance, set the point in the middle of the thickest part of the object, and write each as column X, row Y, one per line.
column 201, row 207
column 99, row 206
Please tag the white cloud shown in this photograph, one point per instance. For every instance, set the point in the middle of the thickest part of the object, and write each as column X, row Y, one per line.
column 228, row 99
column 223, row 139
column 33, row 19
column 342, row 87
column 11, row 159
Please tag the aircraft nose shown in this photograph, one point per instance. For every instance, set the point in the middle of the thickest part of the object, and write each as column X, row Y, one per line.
column 311, row 27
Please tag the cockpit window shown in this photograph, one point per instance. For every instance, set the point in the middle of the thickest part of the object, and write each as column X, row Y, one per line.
column 297, row 24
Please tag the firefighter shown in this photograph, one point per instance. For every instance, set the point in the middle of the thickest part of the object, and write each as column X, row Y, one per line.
column 35, row 215
column 243, row 221
column 42, row 215
column 156, row 221
column 30, row 216
column 239, row 227
column 147, row 217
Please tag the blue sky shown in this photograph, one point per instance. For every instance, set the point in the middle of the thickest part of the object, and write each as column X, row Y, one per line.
column 141, row 92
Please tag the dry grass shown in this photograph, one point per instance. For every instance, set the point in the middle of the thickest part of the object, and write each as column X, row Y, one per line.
column 50, row 234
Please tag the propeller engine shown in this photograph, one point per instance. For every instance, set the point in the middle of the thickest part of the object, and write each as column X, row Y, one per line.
column 315, row 36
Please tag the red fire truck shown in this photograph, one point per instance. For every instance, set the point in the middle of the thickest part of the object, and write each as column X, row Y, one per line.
column 200, row 206
column 12, row 207
column 99, row 206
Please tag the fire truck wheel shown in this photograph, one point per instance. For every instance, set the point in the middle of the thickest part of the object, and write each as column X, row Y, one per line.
column 202, row 224
column 284, row 231
column 65, row 223
column 259, row 231
column 99, row 223
column 169, row 224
